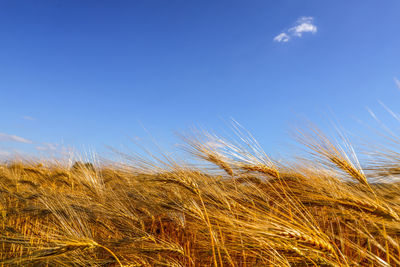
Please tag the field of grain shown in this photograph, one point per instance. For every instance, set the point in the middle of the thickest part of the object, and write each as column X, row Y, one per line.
column 232, row 206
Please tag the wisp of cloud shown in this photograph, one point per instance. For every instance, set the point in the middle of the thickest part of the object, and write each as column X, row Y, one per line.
column 302, row 25
column 13, row 138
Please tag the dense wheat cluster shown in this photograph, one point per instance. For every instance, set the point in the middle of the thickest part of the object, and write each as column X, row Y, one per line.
column 233, row 207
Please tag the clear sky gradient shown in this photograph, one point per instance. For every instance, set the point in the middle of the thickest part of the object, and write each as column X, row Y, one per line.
column 95, row 73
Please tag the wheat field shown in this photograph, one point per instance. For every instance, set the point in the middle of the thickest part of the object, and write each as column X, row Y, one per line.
column 231, row 205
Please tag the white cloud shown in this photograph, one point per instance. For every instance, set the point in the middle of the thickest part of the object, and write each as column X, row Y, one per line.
column 283, row 37
column 13, row 138
column 4, row 153
column 28, row 118
column 302, row 25
column 397, row 82
column 47, row 147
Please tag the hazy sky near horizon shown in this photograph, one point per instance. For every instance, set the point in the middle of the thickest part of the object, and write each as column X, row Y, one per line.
column 97, row 73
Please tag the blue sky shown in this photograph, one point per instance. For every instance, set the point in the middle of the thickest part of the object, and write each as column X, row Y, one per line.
column 91, row 74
